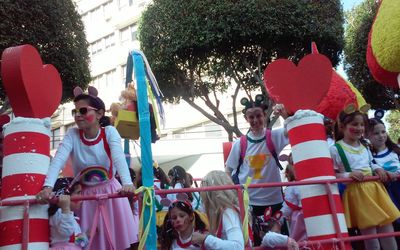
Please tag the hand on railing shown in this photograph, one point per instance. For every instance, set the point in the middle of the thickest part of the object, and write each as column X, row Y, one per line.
column 383, row 176
column 45, row 195
column 357, row 175
column 127, row 190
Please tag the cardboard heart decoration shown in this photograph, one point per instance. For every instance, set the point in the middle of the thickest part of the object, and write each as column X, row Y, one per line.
column 299, row 87
column 34, row 89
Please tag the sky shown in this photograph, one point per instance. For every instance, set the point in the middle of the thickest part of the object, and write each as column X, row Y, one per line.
column 348, row 4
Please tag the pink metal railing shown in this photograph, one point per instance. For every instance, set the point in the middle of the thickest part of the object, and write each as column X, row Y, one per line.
column 338, row 241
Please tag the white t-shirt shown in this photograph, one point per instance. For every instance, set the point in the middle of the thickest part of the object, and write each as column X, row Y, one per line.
column 359, row 158
column 389, row 160
column 89, row 152
column 231, row 236
column 62, row 227
column 259, row 164
column 292, row 195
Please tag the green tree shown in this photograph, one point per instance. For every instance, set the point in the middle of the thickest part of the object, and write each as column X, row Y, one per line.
column 358, row 24
column 199, row 49
column 55, row 28
column 394, row 130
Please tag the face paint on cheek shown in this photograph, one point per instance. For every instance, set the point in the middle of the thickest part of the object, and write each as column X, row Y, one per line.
column 353, row 130
column 89, row 118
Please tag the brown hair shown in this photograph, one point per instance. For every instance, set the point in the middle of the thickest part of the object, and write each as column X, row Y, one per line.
column 344, row 119
column 389, row 143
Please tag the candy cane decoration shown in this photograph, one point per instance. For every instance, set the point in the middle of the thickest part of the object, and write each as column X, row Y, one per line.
column 34, row 91
column 25, row 164
column 312, row 161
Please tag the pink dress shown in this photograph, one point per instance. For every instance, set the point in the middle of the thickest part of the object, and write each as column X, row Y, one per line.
column 109, row 223
column 292, row 209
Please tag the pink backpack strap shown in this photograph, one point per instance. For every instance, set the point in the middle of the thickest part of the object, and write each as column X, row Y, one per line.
column 270, row 144
column 271, row 147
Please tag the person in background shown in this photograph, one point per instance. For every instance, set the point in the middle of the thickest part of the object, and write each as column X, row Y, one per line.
column 292, row 209
column 259, row 163
column 386, row 154
column 179, row 180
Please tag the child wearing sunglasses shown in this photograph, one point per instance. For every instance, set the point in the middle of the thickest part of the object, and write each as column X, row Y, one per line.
column 96, row 153
column 179, row 224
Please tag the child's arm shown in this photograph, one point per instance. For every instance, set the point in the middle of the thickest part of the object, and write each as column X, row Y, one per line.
column 337, row 163
column 378, row 170
column 172, row 197
column 232, row 228
column 59, row 160
column 63, row 219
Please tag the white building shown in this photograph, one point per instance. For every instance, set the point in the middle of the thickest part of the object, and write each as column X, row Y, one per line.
column 189, row 139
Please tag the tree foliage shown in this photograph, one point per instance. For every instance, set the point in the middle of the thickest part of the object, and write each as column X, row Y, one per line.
column 394, row 130
column 198, row 49
column 359, row 21
column 55, row 28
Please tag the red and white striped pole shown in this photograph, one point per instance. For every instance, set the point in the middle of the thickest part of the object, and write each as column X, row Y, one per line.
column 25, row 164
column 312, row 161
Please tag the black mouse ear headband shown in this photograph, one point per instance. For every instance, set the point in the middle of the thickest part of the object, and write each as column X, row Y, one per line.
column 258, row 102
column 379, row 114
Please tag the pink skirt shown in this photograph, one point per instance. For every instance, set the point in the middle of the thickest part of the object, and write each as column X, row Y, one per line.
column 298, row 226
column 65, row 246
column 116, row 227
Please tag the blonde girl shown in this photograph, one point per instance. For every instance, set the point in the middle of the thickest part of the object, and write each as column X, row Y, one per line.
column 222, row 209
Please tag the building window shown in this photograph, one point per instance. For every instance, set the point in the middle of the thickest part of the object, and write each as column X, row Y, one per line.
column 107, row 7
column 128, row 34
column 110, row 78
column 102, row 44
column 110, row 40
column 55, row 138
column 125, row 3
column 96, row 14
column 123, row 73
column 104, row 80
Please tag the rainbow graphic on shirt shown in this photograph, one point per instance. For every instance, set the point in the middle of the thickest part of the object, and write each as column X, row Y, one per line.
column 94, row 175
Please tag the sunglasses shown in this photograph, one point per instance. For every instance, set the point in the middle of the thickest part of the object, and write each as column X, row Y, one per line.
column 181, row 204
column 82, row 111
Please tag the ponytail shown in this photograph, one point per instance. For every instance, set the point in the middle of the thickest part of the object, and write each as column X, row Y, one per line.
column 105, row 121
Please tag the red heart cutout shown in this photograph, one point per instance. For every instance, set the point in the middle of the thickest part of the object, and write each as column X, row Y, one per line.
column 34, row 89
column 4, row 119
column 299, row 87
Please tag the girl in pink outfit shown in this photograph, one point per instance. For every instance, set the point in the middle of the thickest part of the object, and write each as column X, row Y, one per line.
column 292, row 208
column 96, row 153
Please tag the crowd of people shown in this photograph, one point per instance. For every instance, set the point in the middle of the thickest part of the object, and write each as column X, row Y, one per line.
column 212, row 219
